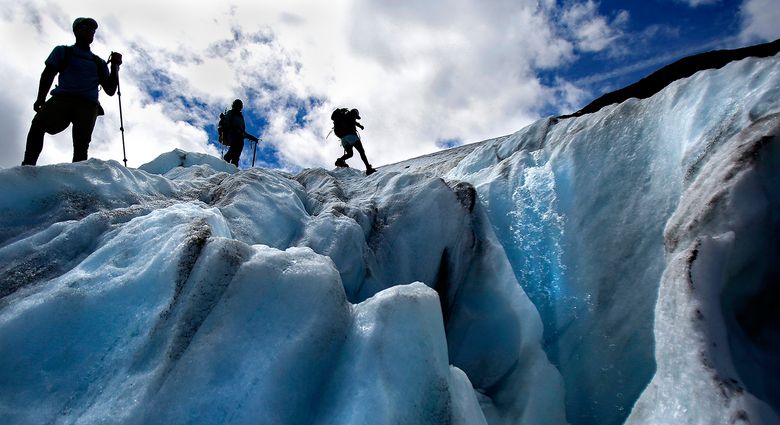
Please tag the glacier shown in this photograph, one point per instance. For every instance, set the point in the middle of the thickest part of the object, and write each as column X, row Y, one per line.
column 615, row 267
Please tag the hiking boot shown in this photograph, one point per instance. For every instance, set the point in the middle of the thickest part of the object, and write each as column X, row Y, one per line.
column 341, row 163
column 370, row 170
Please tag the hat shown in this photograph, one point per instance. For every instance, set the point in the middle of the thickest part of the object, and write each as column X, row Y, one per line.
column 91, row 23
column 356, row 113
column 238, row 104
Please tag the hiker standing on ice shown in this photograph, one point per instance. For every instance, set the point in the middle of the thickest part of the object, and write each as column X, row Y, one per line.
column 344, row 125
column 75, row 98
column 235, row 132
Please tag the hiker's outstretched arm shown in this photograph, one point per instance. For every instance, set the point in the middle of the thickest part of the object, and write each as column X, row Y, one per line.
column 47, row 79
column 250, row 137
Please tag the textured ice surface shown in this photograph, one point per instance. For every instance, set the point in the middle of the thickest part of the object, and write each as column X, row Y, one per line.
column 615, row 267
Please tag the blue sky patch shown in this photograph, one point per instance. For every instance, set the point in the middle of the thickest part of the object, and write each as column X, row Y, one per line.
column 448, row 143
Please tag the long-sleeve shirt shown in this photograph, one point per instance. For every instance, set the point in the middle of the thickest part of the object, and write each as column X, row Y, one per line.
column 236, row 131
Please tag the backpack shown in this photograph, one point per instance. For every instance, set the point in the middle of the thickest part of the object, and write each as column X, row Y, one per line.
column 340, row 122
column 222, row 127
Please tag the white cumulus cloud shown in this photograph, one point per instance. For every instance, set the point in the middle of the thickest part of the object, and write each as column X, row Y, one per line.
column 591, row 31
column 421, row 73
column 760, row 20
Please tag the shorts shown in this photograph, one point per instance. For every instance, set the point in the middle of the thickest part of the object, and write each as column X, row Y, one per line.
column 349, row 140
column 61, row 111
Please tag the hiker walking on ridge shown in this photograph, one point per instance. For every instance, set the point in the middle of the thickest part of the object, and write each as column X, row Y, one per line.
column 234, row 132
column 75, row 98
column 344, row 125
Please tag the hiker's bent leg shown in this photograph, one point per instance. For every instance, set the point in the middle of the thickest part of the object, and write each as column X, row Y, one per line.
column 84, row 116
column 234, row 153
column 359, row 147
column 347, row 153
column 51, row 119
column 226, row 156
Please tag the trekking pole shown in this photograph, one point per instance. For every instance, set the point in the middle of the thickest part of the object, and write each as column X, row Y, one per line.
column 254, row 153
column 121, row 120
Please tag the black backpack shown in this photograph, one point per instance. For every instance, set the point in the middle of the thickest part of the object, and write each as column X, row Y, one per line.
column 222, row 127
column 340, row 121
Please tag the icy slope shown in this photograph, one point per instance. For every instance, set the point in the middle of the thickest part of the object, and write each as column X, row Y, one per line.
column 211, row 297
column 598, row 215
column 615, row 267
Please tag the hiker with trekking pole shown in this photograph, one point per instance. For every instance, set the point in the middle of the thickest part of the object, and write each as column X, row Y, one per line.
column 74, row 99
column 232, row 132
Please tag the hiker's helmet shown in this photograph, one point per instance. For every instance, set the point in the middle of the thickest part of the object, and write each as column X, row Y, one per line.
column 238, row 104
column 355, row 113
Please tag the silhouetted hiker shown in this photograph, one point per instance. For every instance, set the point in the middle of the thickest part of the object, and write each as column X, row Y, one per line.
column 75, row 98
column 344, row 125
column 235, row 132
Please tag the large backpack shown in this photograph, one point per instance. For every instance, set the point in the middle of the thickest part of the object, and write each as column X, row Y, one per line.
column 222, row 127
column 340, row 122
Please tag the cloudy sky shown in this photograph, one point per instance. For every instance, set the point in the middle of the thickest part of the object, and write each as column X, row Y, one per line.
column 426, row 75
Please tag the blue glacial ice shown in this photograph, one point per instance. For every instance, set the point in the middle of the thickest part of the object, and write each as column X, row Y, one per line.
column 617, row 267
